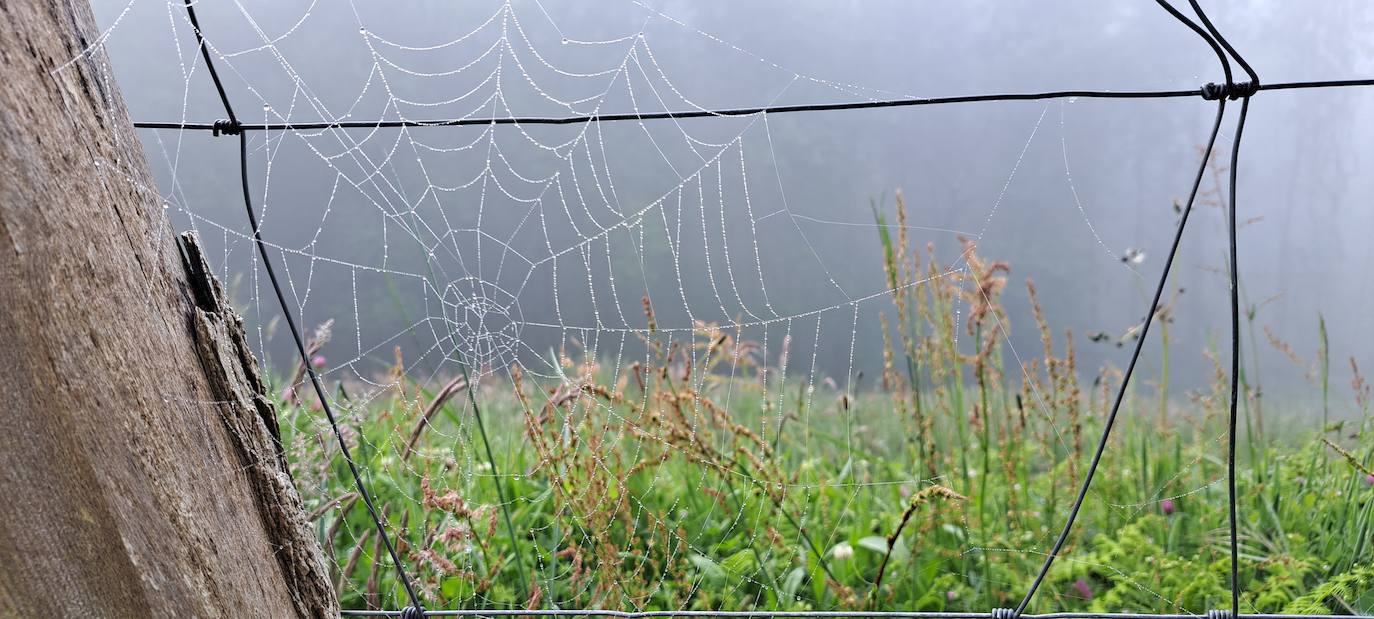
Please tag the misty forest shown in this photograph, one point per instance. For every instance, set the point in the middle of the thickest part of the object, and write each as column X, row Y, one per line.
column 667, row 307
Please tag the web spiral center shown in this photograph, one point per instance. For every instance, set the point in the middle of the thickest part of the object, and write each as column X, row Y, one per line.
column 483, row 322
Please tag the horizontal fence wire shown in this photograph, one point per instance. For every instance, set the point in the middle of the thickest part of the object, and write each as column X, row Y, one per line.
column 1212, row 92
column 812, row 614
column 743, row 111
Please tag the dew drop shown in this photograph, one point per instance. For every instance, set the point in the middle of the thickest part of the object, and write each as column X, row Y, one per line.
column 362, row 30
column 565, row 40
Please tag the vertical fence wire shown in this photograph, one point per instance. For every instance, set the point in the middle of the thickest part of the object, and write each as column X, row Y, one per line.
column 231, row 127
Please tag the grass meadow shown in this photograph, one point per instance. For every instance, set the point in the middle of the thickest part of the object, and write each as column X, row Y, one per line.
column 711, row 478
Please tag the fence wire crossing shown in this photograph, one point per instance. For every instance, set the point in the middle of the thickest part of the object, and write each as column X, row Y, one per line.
column 1228, row 90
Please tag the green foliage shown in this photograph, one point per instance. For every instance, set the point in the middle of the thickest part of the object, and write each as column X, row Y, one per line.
column 1353, row 585
column 734, row 485
column 741, row 551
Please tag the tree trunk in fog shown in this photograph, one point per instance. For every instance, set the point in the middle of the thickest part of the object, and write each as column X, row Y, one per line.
column 141, row 472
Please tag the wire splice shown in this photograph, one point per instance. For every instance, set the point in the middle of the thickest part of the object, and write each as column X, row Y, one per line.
column 227, row 126
column 1213, row 91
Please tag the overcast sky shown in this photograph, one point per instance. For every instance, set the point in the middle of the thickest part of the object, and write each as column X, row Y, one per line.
column 749, row 219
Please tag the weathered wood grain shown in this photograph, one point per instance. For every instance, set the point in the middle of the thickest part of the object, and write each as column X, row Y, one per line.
column 140, row 472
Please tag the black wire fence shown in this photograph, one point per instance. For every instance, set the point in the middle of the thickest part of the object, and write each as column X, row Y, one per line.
column 818, row 614
column 1229, row 90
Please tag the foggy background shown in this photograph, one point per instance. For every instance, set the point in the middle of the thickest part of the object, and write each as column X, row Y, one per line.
column 354, row 210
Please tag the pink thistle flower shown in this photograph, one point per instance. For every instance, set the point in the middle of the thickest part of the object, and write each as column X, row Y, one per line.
column 1167, row 506
column 317, row 361
column 1369, row 480
column 951, row 595
column 1083, row 589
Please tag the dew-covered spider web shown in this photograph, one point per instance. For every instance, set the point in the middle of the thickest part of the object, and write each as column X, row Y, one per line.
column 636, row 364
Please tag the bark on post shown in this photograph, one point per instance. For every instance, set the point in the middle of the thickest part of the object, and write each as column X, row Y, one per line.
column 140, row 470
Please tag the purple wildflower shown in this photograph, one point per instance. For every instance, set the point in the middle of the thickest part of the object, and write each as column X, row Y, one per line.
column 1369, row 480
column 1083, row 589
column 1167, row 506
column 951, row 595
column 317, row 361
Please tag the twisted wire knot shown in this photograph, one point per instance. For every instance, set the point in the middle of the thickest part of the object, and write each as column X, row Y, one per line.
column 1219, row 614
column 1212, row 91
column 226, row 127
column 1004, row 613
column 413, row 612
